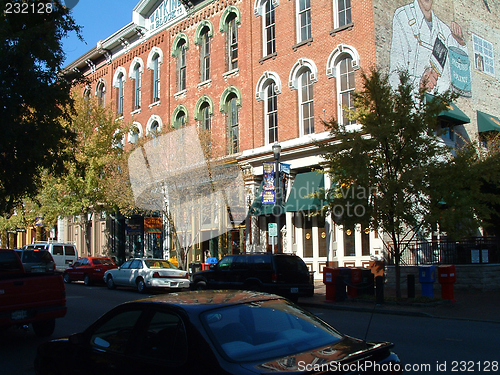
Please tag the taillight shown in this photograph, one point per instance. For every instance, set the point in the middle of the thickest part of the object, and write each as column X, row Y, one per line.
column 274, row 277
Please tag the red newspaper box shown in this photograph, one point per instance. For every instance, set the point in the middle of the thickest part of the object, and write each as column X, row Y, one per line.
column 447, row 276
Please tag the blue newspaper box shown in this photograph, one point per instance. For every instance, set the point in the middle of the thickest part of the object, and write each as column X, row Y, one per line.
column 427, row 277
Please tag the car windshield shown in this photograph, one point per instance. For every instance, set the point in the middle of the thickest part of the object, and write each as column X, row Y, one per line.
column 104, row 261
column 263, row 330
column 159, row 263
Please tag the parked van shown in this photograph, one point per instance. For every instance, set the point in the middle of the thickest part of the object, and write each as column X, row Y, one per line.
column 64, row 254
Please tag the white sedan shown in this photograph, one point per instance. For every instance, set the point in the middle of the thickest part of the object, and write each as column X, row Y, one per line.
column 144, row 273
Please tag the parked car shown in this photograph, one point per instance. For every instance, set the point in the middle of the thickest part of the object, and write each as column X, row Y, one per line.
column 29, row 298
column 144, row 273
column 88, row 269
column 211, row 332
column 36, row 260
column 283, row 274
column 64, row 254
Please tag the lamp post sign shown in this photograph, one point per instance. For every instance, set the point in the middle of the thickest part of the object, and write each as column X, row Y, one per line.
column 268, row 190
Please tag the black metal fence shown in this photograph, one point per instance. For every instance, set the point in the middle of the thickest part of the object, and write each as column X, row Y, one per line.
column 472, row 251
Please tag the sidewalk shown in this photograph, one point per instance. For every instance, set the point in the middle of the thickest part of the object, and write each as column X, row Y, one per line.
column 469, row 304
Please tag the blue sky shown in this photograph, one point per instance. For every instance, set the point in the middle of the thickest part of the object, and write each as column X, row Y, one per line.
column 100, row 19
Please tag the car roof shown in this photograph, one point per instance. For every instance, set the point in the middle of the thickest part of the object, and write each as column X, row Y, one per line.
column 200, row 300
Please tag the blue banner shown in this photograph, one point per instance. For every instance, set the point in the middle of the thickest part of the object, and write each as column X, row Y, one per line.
column 268, row 192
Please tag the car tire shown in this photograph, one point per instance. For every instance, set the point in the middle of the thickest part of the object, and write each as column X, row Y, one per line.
column 110, row 283
column 86, row 280
column 200, row 285
column 44, row 328
column 141, row 286
column 66, row 278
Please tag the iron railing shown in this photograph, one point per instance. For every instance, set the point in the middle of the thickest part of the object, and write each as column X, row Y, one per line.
column 476, row 250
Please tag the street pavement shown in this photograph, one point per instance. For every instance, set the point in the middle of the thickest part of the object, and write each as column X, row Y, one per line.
column 470, row 305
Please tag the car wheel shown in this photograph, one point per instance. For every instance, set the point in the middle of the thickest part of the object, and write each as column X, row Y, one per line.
column 86, row 280
column 200, row 285
column 67, row 280
column 141, row 286
column 110, row 283
column 44, row 328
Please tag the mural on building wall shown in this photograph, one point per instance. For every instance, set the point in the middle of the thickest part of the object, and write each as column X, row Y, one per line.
column 434, row 52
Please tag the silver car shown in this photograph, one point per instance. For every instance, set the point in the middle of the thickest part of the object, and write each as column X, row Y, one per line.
column 36, row 260
column 144, row 273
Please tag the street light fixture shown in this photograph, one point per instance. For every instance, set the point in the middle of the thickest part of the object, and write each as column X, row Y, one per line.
column 277, row 184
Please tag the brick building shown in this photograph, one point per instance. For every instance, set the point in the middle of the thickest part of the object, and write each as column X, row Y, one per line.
column 259, row 72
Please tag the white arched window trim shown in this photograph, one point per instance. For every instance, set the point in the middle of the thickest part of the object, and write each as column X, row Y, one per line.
column 297, row 69
column 154, row 51
column 119, row 70
column 130, row 136
column 258, row 7
column 336, row 56
column 151, row 120
column 264, row 81
column 133, row 64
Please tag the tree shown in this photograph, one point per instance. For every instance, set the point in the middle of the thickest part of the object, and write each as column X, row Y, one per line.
column 34, row 98
column 98, row 158
column 386, row 168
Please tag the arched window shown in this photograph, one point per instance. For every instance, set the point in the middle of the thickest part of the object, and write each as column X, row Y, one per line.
column 136, row 76
column 268, row 89
column 303, row 20
column 271, row 113
column 181, row 66
column 155, row 59
column 232, row 42
column 229, row 22
column 154, row 126
column 345, row 89
column 302, row 78
column 266, row 9
column 101, row 92
column 119, row 79
column 342, row 65
column 230, row 104
column 156, row 78
column 121, row 82
column 306, row 102
column 135, row 133
column 205, row 54
column 179, row 117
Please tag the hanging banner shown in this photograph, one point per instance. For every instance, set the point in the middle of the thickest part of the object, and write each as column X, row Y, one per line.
column 268, row 193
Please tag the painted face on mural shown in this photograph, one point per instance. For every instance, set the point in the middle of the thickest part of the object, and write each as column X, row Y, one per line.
column 425, row 6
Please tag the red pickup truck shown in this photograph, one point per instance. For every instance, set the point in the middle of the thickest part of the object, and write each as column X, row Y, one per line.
column 29, row 297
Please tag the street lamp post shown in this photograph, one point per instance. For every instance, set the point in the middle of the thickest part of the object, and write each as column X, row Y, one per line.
column 277, row 190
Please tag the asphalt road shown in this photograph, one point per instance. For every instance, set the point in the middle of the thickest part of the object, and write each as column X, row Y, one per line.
column 427, row 345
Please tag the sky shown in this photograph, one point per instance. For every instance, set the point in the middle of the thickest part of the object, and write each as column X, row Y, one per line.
column 100, row 19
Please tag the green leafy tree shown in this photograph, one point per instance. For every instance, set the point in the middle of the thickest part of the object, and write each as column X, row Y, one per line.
column 95, row 169
column 34, row 99
column 386, row 169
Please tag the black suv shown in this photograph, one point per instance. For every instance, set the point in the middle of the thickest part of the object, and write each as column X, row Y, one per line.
column 283, row 274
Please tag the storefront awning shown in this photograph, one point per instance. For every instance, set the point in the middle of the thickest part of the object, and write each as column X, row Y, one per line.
column 301, row 195
column 487, row 123
column 453, row 114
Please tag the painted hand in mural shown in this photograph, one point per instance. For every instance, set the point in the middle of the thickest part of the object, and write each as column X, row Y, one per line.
column 429, row 79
